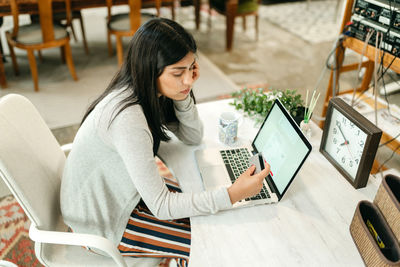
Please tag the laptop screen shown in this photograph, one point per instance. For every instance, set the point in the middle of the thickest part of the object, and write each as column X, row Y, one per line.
column 282, row 145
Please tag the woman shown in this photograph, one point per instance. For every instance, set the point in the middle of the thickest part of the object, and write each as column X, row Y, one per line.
column 111, row 186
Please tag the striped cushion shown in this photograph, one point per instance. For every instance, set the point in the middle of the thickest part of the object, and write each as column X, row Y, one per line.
column 147, row 236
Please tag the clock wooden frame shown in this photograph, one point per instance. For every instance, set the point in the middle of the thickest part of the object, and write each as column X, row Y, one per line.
column 370, row 147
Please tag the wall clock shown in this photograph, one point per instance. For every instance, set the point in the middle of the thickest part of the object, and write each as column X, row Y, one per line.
column 349, row 142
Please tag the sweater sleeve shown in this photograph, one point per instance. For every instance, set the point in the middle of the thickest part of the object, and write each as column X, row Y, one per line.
column 189, row 128
column 133, row 142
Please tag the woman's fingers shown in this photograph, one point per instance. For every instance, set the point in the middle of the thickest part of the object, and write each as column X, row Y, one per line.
column 264, row 173
column 261, row 175
column 248, row 184
column 250, row 170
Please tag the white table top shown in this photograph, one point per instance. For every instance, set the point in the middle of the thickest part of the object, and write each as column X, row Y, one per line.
column 308, row 227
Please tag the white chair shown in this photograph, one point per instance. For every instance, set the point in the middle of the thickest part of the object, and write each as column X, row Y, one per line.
column 7, row 264
column 31, row 164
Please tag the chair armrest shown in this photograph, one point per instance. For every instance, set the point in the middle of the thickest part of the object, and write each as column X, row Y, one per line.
column 4, row 263
column 75, row 239
column 66, row 148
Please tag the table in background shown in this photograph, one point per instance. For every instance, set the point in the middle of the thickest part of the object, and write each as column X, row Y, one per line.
column 308, row 227
column 30, row 7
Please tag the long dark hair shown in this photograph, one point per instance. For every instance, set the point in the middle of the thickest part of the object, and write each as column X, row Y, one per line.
column 156, row 44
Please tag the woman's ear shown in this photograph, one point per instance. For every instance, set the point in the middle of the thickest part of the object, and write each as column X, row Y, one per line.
column 158, row 87
column 196, row 71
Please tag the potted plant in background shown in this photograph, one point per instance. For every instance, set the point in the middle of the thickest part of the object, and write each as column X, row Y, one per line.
column 257, row 102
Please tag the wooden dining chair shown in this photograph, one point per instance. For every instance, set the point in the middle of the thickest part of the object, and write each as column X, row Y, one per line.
column 38, row 36
column 125, row 24
column 61, row 18
column 232, row 9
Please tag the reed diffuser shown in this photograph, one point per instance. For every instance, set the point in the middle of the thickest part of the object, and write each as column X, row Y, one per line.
column 304, row 125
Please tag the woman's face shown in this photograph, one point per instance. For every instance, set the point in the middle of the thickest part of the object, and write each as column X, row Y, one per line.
column 177, row 79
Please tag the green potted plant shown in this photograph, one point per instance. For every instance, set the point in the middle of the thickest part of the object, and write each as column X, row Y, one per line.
column 257, row 102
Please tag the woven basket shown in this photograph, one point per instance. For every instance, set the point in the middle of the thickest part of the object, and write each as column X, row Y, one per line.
column 387, row 200
column 369, row 250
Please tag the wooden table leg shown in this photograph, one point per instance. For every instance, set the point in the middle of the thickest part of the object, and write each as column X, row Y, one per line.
column 3, row 82
column 376, row 167
column 197, row 4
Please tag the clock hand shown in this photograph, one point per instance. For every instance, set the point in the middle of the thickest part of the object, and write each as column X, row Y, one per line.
column 351, row 155
column 345, row 139
column 345, row 143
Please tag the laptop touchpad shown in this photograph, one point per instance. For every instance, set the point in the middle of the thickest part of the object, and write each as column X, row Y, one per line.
column 215, row 177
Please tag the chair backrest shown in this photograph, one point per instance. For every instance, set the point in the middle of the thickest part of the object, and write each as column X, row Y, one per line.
column 45, row 16
column 134, row 12
column 31, row 160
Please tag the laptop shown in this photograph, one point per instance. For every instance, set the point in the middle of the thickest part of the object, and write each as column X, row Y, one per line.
column 282, row 145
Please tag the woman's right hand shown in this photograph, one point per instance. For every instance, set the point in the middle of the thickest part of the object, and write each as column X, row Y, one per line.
column 247, row 185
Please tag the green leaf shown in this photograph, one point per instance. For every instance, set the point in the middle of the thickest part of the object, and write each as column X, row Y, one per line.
column 257, row 103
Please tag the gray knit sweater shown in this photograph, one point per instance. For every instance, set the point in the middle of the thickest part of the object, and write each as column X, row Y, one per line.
column 110, row 168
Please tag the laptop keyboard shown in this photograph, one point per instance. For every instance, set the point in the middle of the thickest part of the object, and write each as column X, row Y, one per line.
column 236, row 162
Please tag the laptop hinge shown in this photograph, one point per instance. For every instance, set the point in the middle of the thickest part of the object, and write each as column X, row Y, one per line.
column 253, row 149
column 271, row 185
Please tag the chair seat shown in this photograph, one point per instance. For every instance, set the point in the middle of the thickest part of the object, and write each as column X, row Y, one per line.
column 121, row 22
column 247, row 7
column 32, row 34
column 244, row 6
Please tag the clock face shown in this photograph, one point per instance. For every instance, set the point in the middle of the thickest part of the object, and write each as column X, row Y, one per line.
column 345, row 143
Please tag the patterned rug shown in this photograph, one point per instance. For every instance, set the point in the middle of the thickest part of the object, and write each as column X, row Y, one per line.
column 312, row 21
column 15, row 245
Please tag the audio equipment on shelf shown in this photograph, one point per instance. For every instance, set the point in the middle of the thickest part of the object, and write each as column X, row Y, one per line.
column 379, row 16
